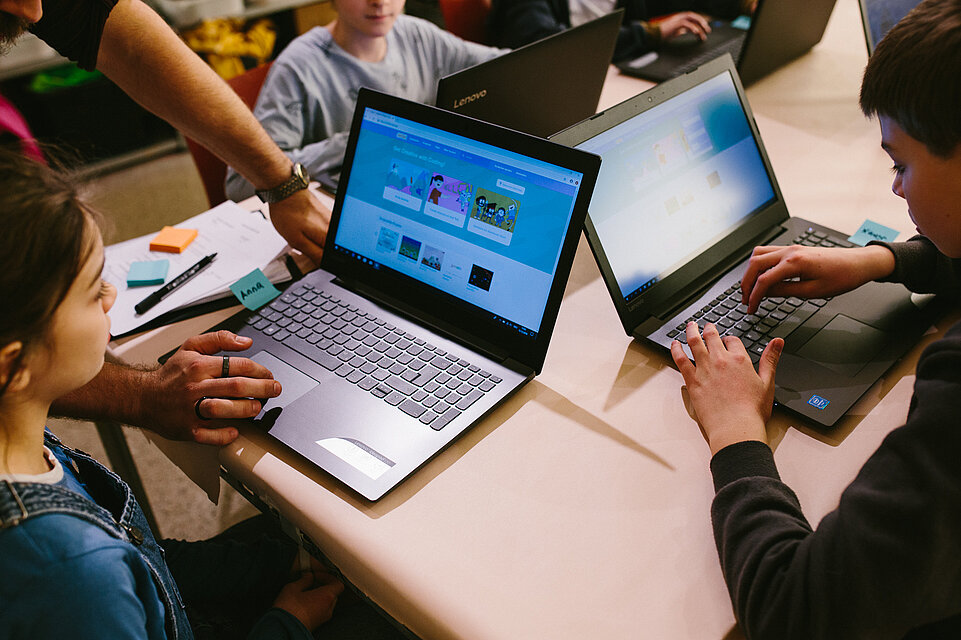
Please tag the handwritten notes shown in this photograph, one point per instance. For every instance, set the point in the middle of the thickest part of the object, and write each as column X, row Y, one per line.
column 254, row 290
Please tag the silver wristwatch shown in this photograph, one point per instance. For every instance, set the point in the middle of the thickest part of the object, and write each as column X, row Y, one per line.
column 299, row 179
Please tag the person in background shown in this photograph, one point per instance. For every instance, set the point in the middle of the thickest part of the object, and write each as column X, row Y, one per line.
column 885, row 562
column 135, row 48
column 307, row 101
column 514, row 23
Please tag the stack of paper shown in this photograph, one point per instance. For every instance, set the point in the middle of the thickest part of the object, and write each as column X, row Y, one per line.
column 243, row 241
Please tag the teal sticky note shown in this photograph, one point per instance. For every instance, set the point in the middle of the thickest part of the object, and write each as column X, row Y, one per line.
column 254, row 290
column 871, row 230
column 143, row 274
column 741, row 22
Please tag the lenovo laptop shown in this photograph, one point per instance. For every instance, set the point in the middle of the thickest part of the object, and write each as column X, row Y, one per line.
column 539, row 88
column 449, row 248
column 878, row 16
column 686, row 191
column 778, row 32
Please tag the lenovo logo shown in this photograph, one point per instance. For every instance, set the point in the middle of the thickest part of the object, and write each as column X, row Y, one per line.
column 468, row 99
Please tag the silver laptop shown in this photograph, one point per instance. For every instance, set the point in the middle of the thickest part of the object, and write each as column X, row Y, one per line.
column 449, row 248
column 685, row 193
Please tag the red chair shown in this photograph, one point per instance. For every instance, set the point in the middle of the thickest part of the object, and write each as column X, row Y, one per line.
column 212, row 169
column 466, row 19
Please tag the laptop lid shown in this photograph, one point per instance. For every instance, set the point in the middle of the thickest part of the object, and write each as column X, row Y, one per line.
column 686, row 155
column 781, row 30
column 539, row 88
column 468, row 227
column 878, row 16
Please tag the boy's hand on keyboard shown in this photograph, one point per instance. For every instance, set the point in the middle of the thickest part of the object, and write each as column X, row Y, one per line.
column 731, row 400
column 811, row 272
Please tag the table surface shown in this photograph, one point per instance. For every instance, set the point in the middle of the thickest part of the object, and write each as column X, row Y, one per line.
column 580, row 508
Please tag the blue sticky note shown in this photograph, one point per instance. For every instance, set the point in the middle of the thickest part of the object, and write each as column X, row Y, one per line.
column 741, row 22
column 254, row 290
column 873, row 231
column 142, row 274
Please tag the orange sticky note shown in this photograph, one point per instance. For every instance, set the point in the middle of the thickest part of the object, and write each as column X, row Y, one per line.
column 172, row 239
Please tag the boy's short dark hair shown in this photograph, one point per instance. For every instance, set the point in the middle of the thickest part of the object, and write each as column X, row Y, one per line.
column 914, row 76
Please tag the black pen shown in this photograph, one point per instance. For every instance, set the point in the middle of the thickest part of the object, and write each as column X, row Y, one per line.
column 148, row 303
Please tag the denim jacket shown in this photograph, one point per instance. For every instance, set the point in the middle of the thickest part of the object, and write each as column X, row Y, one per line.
column 89, row 563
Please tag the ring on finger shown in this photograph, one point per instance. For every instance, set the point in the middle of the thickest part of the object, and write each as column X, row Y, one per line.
column 225, row 369
column 197, row 408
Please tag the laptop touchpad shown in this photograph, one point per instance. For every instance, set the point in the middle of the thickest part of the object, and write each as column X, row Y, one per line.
column 295, row 382
column 844, row 345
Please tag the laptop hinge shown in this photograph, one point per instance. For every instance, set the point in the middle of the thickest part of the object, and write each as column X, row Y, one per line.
column 446, row 329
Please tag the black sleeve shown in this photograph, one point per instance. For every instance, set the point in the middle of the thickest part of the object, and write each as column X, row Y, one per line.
column 885, row 561
column 74, row 28
column 920, row 267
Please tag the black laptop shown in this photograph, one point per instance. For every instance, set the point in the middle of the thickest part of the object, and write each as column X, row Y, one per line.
column 542, row 87
column 449, row 248
column 778, row 32
column 686, row 191
column 878, row 16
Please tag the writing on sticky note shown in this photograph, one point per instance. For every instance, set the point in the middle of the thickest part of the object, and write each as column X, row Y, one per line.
column 871, row 230
column 254, row 290
column 144, row 274
column 172, row 239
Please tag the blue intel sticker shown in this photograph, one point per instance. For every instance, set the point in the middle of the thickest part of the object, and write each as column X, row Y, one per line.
column 818, row 402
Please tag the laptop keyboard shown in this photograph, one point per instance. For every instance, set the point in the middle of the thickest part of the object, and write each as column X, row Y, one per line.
column 732, row 46
column 776, row 317
column 418, row 378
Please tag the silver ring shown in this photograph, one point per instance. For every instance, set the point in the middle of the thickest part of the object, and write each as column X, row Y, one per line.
column 197, row 407
column 225, row 370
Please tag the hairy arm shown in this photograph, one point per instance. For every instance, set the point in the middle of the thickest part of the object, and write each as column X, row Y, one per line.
column 164, row 399
column 146, row 59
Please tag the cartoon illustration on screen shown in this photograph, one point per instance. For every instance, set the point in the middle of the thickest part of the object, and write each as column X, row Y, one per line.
column 445, row 199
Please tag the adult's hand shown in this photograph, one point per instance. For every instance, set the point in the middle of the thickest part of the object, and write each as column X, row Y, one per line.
column 303, row 221
column 731, row 400
column 169, row 395
column 811, row 272
column 684, row 22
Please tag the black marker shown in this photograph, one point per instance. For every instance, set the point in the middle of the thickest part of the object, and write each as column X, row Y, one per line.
column 150, row 301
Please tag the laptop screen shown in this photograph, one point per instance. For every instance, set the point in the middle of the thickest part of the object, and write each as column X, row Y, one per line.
column 675, row 179
column 479, row 223
column 880, row 15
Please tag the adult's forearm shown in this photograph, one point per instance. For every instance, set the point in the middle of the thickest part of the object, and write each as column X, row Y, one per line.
column 111, row 395
column 146, row 59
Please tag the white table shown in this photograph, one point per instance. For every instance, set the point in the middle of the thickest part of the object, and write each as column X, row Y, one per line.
column 580, row 508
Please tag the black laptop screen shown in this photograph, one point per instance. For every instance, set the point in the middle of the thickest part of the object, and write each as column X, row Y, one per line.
column 675, row 179
column 880, row 15
column 482, row 224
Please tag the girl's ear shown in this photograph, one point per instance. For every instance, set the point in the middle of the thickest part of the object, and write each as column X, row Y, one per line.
column 13, row 379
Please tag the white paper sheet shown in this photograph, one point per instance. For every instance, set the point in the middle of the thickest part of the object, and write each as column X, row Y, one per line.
column 243, row 241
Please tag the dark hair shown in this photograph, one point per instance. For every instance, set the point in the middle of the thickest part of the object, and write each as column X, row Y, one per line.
column 914, row 76
column 45, row 242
